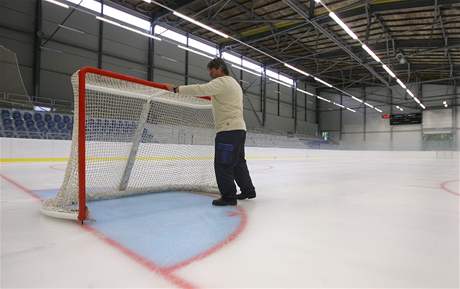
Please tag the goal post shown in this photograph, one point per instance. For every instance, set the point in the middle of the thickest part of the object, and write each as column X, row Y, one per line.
column 132, row 136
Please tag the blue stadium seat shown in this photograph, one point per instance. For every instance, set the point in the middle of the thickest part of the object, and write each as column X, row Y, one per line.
column 27, row 116
column 17, row 114
column 21, row 130
column 50, row 124
column 38, row 116
column 61, row 125
column 6, row 113
column 41, row 125
column 67, row 119
column 48, row 117
column 57, row 118
column 69, row 126
column 18, row 123
column 30, row 123
column 33, row 131
column 7, row 123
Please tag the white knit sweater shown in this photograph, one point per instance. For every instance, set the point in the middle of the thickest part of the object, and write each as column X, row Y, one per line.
column 227, row 101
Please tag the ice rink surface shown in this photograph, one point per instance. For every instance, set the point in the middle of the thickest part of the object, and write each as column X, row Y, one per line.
column 316, row 223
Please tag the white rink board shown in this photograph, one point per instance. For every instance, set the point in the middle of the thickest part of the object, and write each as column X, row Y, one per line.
column 13, row 148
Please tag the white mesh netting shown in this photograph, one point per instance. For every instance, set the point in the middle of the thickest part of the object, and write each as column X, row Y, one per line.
column 139, row 139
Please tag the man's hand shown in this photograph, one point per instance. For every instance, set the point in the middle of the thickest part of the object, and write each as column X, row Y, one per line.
column 170, row 86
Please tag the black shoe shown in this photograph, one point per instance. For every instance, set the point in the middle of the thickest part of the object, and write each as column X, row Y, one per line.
column 224, row 202
column 244, row 196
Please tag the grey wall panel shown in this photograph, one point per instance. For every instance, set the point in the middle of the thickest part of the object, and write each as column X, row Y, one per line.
column 192, row 80
column 21, row 43
column 271, row 107
column 437, row 119
column 251, row 83
column 65, row 58
column 352, row 122
column 168, row 77
column 352, row 141
column 125, row 52
column 57, row 67
column 374, row 120
column 124, row 67
column 56, row 85
column 271, row 101
column 311, row 113
column 251, row 120
column 254, row 99
column 307, row 128
column 286, row 94
column 378, row 141
column 198, row 66
column 170, row 58
column 329, row 121
column 18, row 14
column 409, row 127
column 120, row 42
column 407, row 140
column 27, row 77
column 276, row 123
column 436, row 90
column 53, row 16
column 285, row 110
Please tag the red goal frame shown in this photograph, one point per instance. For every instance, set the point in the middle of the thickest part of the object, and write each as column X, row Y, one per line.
column 81, row 154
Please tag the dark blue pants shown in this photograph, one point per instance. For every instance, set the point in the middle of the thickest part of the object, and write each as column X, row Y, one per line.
column 230, row 164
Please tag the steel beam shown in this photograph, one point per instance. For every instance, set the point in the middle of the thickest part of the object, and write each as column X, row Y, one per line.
column 100, row 38
column 297, row 6
column 37, row 49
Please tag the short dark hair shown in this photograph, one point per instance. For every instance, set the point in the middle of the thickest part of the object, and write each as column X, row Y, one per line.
column 217, row 63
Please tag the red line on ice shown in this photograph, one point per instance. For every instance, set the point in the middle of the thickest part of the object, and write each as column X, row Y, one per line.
column 21, row 187
column 165, row 272
column 243, row 222
column 445, row 188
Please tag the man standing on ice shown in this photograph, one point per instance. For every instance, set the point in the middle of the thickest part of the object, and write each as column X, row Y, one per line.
column 227, row 107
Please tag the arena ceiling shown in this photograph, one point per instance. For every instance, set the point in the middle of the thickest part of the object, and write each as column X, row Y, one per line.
column 419, row 40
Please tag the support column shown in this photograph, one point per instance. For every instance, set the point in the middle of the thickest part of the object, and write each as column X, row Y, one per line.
column 278, row 98
column 100, row 38
column 364, row 114
column 294, row 105
column 241, row 71
column 263, row 97
column 341, row 118
column 317, row 113
column 151, row 58
column 186, row 63
column 391, row 113
column 420, row 94
column 306, row 102
column 37, row 49
column 454, row 117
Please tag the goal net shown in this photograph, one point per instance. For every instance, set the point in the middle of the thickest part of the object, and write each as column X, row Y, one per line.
column 131, row 137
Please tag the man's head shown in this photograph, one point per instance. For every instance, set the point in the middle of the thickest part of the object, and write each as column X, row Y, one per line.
column 217, row 68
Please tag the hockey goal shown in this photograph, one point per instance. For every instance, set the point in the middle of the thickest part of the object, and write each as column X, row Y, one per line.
column 132, row 136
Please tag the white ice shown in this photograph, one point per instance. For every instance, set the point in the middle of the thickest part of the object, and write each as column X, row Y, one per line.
column 348, row 222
